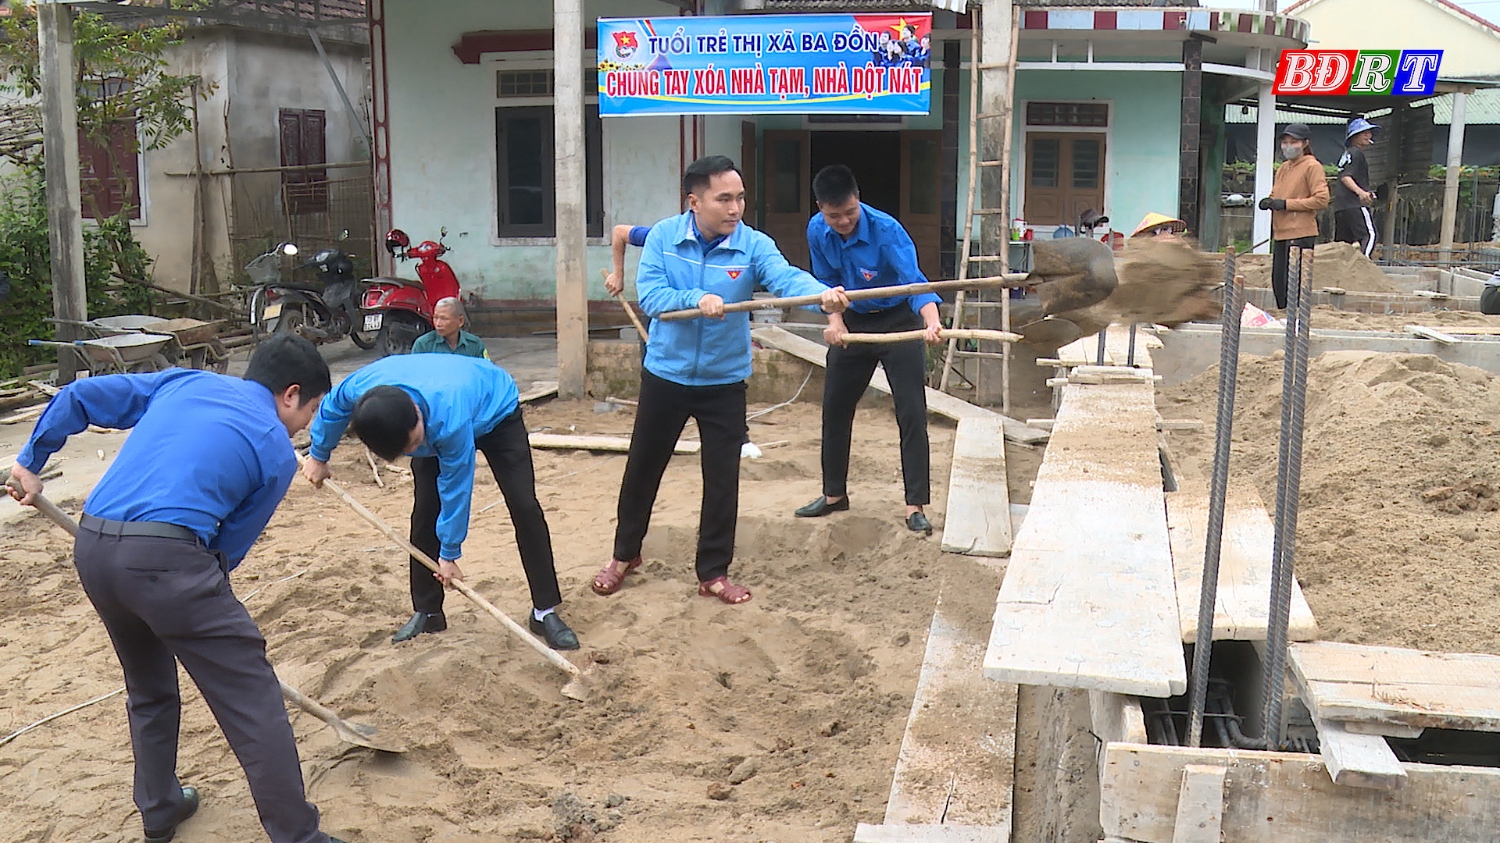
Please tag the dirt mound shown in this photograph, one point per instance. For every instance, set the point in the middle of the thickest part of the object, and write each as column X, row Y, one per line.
column 792, row 706
column 1380, row 565
column 1347, row 320
column 1334, row 265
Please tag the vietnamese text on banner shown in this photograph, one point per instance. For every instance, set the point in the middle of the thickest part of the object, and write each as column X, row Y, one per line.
column 766, row 64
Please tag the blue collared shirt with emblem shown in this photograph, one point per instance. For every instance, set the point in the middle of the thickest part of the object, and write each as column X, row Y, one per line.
column 206, row 452
column 678, row 268
column 878, row 254
column 460, row 399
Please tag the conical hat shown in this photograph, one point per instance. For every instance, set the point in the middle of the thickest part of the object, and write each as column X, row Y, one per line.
column 1153, row 219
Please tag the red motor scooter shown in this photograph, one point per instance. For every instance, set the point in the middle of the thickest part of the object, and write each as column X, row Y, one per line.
column 399, row 309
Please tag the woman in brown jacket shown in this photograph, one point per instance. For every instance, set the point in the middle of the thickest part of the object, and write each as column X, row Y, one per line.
column 1299, row 192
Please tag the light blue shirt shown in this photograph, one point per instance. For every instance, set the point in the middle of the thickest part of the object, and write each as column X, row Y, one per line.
column 878, row 254
column 460, row 399
column 677, row 269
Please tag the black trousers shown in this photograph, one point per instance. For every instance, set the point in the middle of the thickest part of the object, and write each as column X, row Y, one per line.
column 1357, row 226
column 509, row 454
column 1279, row 251
column 848, row 375
column 166, row 599
column 664, row 409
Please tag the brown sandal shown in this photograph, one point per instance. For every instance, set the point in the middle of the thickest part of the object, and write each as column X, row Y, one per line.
column 728, row 592
column 612, row 576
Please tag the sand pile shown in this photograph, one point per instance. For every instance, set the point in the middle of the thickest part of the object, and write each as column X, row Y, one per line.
column 778, row 721
column 1398, row 542
column 1334, row 265
column 1348, row 320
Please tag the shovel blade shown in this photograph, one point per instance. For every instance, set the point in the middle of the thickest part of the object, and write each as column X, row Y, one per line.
column 1049, row 334
column 350, row 733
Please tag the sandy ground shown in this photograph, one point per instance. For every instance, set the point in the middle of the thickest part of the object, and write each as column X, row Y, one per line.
column 1399, row 522
column 1334, row 265
column 1346, row 320
column 806, row 688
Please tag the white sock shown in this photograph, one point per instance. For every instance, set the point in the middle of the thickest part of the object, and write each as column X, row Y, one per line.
column 539, row 614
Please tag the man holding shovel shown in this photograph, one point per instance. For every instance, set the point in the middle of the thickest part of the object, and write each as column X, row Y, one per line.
column 209, row 459
column 697, row 367
column 440, row 409
column 857, row 246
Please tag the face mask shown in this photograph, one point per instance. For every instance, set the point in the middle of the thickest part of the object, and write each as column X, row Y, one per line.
column 1291, row 153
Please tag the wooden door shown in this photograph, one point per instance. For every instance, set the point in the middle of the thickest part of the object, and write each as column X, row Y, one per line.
column 921, row 195
column 748, row 170
column 787, row 192
column 1064, row 176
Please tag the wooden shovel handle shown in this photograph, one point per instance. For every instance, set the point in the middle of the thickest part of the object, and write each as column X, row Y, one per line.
column 1015, row 279
column 629, row 311
column 946, row 333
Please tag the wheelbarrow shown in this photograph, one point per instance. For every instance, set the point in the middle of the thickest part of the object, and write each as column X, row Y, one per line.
column 194, row 343
column 120, row 354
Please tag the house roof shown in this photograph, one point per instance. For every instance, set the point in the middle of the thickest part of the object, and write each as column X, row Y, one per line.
column 1481, row 108
column 1445, row 5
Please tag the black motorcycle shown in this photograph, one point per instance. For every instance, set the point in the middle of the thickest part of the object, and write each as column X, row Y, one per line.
column 324, row 309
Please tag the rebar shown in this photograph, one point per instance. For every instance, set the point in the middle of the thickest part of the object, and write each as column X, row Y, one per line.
column 1289, row 481
column 1229, row 364
column 1103, row 337
column 1130, row 352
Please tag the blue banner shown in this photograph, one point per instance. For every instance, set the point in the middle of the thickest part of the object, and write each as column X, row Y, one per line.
column 766, row 64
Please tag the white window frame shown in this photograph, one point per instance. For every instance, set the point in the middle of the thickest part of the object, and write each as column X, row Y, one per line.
column 493, row 63
column 1108, row 130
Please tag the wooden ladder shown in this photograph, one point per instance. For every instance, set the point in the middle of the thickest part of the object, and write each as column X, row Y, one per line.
column 960, row 301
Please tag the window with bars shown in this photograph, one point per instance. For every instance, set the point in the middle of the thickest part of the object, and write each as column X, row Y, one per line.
column 536, row 82
column 1087, row 114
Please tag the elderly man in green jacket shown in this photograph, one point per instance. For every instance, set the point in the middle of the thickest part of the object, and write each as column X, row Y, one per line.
column 448, row 335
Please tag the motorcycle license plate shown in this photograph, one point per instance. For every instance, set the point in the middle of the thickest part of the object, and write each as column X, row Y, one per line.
column 271, row 312
column 373, row 320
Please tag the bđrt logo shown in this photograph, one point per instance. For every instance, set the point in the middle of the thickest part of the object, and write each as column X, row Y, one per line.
column 1401, row 73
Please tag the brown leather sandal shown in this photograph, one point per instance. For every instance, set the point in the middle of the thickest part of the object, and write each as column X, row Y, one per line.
column 728, row 592
column 612, row 576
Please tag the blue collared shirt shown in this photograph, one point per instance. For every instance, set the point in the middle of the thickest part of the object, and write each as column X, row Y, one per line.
column 677, row 269
column 207, row 452
column 878, row 254
column 460, row 399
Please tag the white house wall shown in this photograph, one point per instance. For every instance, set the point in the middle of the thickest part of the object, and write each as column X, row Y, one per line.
column 442, row 142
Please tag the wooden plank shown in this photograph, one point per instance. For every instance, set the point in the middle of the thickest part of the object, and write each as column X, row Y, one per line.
column 1200, row 804
column 579, row 442
column 1085, row 351
column 1474, row 330
column 1276, row 797
column 977, row 521
column 1431, row 334
column 1410, row 689
column 866, row 833
column 1116, row 717
column 957, row 755
column 1088, row 599
column 1244, row 595
column 538, row 391
column 937, row 402
column 1358, row 760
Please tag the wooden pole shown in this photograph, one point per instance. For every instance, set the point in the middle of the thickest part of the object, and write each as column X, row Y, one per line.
column 1010, row 280
column 950, row 334
column 570, row 175
column 993, row 77
column 60, row 147
column 1004, row 252
column 1450, row 179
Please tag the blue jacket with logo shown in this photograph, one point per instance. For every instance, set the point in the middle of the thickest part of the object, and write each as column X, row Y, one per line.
column 878, row 254
column 677, row 269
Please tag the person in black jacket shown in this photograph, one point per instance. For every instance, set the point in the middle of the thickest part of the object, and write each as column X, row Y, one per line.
column 1352, row 196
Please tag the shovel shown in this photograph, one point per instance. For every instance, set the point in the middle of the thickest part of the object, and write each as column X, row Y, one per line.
column 629, row 311
column 355, row 733
column 576, row 687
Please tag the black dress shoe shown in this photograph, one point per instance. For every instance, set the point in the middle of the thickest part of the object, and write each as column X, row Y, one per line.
column 821, row 507
column 554, row 630
column 189, row 807
column 918, row 523
column 420, row 622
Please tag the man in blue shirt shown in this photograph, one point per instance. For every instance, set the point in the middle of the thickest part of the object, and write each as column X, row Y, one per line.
column 857, row 246
column 441, row 409
column 697, row 367
column 208, row 460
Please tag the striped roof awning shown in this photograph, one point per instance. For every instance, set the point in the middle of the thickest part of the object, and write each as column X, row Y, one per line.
column 1198, row 20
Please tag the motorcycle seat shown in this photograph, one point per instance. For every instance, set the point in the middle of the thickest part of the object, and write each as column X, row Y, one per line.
column 305, row 286
column 402, row 282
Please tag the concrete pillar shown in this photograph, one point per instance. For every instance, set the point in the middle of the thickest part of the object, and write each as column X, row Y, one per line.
column 1265, row 157
column 60, row 147
column 994, row 230
column 571, row 175
column 1450, row 182
column 1395, row 139
column 1189, row 160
